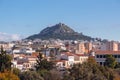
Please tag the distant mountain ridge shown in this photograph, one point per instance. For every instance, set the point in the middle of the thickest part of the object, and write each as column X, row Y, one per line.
column 60, row 31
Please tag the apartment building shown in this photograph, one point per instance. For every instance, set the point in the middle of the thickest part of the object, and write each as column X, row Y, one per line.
column 100, row 56
column 112, row 46
column 88, row 47
column 80, row 48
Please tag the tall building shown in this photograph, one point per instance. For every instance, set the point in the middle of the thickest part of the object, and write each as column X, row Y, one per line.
column 80, row 48
column 118, row 46
column 88, row 47
column 112, row 46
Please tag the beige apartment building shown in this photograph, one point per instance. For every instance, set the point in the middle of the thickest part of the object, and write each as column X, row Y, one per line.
column 112, row 46
column 80, row 48
column 88, row 47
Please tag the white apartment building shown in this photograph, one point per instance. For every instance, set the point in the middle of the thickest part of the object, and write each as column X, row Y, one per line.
column 100, row 56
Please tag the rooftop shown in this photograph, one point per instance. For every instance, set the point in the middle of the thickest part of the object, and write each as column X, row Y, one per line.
column 107, row 52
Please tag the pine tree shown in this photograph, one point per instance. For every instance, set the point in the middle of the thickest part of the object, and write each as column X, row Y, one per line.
column 43, row 64
column 5, row 61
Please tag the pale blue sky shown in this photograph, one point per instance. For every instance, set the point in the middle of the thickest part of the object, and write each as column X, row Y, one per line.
column 96, row 18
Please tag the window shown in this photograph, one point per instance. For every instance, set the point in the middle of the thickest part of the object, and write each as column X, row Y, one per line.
column 115, row 56
column 104, row 56
column 97, row 56
column 63, row 64
column 100, row 56
column 100, row 63
column 118, row 56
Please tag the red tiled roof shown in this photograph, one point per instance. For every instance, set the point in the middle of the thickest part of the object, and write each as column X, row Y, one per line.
column 80, row 55
column 68, row 53
column 107, row 52
column 35, row 54
column 72, row 54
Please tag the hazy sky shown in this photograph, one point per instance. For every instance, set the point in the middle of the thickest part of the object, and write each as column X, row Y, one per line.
column 96, row 18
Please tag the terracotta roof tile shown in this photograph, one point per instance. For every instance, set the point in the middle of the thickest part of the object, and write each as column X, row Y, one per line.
column 80, row 54
column 107, row 52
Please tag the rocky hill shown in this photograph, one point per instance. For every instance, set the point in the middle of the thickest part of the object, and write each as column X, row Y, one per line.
column 60, row 31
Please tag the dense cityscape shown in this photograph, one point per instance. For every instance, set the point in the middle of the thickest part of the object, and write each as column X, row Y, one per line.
column 67, row 52
column 63, row 54
column 59, row 40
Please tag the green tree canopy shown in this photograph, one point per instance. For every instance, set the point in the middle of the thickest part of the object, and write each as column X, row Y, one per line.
column 8, row 76
column 52, row 75
column 16, row 71
column 5, row 61
column 42, row 63
column 30, row 75
column 90, row 71
column 110, row 61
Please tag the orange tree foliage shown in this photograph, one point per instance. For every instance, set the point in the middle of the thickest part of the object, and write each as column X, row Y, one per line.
column 8, row 76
